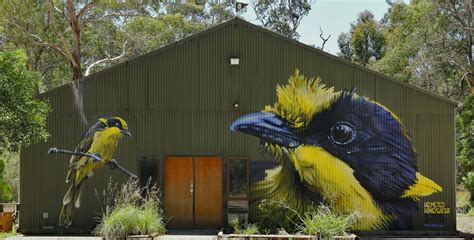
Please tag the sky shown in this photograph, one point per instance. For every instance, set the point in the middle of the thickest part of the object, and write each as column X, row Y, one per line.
column 334, row 17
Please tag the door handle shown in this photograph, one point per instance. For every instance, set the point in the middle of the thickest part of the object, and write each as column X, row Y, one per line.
column 191, row 188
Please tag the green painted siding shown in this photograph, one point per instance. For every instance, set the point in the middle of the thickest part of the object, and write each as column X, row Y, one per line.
column 178, row 100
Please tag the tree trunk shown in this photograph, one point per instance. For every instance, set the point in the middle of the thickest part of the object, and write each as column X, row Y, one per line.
column 76, row 51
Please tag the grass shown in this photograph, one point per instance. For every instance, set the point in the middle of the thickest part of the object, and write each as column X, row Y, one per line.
column 465, row 222
column 324, row 222
column 241, row 226
column 462, row 197
column 318, row 221
column 135, row 211
column 4, row 235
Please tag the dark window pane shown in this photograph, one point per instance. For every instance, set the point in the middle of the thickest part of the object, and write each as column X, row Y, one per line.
column 148, row 171
column 238, row 178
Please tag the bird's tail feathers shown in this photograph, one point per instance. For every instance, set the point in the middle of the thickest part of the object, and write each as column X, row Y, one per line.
column 78, row 194
column 68, row 176
column 65, row 217
column 71, row 199
column 69, row 196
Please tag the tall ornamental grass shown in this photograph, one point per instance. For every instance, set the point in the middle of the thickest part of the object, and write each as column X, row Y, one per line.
column 134, row 210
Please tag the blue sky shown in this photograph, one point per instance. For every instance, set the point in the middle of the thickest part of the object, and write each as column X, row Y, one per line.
column 334, row 16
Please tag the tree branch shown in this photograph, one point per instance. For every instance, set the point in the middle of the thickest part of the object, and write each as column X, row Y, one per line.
column 39, row 41
column 86, row 8
column 322, row 37
column 57, row 9
column 107, row 59
column 117, row 15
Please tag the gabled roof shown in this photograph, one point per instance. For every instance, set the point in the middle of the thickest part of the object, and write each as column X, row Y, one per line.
column 237, row 20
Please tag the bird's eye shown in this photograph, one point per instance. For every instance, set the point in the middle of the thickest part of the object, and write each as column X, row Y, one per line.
column 342, row 133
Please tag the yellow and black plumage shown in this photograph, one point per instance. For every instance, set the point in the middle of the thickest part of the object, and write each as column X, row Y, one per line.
column 100, row 139
column 340, row 148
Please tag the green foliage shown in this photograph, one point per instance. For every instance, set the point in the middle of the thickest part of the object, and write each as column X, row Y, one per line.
column 107, row 30
column 5, row 193
column 468, row 182
column 134, row 211
column 281, row 16
column 465, row 124
column 425, row 43
column 274, row 214
column 471, row 212
column 325, row 223
column 22, row 117
column 5, row 235
column 22, row 114
column 250, row 228
column 10, row 177
column 317, row 221
column 236, row 225
column 364, row 41
column 240, row 226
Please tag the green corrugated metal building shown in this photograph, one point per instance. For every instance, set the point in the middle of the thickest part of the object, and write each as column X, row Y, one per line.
column 179, row 102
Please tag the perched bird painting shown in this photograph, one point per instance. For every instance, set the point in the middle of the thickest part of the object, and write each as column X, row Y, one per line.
column 94, row 151
column 341, row 149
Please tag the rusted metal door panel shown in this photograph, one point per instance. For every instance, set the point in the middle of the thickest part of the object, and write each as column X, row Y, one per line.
column 208, row 192
column 178, row 191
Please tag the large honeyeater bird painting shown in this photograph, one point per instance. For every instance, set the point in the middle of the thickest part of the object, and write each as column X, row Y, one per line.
column 339, row 148
column 100, row 140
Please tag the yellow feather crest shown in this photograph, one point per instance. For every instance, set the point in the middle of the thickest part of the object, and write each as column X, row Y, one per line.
column 124, row 124
column 104, row 121
column 300, row 99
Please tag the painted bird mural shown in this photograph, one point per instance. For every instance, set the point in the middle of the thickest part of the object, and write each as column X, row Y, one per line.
column 100, row 140
column 339, row 148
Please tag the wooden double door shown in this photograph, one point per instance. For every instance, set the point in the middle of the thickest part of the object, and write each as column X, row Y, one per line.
column 193, row 191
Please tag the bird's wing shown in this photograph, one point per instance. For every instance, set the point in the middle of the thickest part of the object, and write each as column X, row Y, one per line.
column 83, row 146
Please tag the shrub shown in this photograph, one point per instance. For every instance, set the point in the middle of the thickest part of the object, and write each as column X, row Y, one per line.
column 318, row 221
column 134, row 211
column 274, row 214
column 250, row 228
column 241, row 226
column 324, row 222
column 468, row 182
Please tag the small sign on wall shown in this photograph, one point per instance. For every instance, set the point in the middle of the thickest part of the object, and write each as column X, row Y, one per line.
column 234, row 61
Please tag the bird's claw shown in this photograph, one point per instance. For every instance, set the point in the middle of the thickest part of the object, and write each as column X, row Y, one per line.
column 95, row 156
column 113, row 164
column 53, row 150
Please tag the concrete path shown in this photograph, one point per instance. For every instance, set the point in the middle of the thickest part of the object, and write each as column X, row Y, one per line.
column 187, row 237
column 53, row 238
column 165, row 237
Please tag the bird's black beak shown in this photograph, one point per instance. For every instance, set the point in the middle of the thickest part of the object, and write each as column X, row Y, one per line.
column 126, row 133
column 268, row 127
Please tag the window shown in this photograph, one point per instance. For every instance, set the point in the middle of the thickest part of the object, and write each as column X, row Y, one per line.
column 148, row 171
column 238, row 178
column 237, row 204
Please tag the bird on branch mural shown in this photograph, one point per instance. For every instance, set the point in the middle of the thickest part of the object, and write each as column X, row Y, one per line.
column 340, row 149
column 94, row 151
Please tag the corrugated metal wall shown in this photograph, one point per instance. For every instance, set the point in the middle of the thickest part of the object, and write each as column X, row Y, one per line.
column 178, row 100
